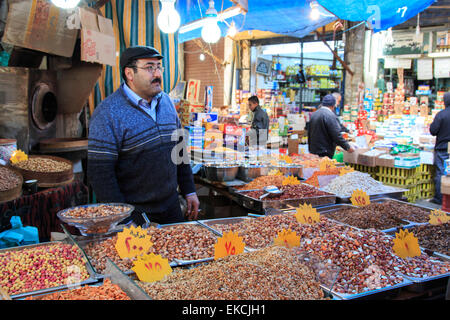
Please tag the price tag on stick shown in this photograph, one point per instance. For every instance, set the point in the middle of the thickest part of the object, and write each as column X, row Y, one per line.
column 438, row 217
column 306, row 214
column 360, row 198
column 287, row 238
column 132, row 242
column 230, row 244
column 406, row 244
column 151, row 267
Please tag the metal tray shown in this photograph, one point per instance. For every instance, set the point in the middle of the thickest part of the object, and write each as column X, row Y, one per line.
column 395, row 195
column 91, row 272
column 180, row 262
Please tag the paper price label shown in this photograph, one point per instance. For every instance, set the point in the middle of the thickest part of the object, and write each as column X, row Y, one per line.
column 151, row 268
column 306, row 214
column 438, row 217
column 360, row 198
column 18, row 156
column 287, row 238
column 345, row 170
column 406, row 245
column 228, row 245
column 132, row 242
column 326, row 164
column 290, row 180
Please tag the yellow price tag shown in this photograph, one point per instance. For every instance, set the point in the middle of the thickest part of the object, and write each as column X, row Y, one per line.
column 228, row 245
column 287, row 238
column 438, row 217
column 345, row 170
column 406, row 244
column 275, row 172
column 18, row 156
column 360, row 198
column 132, row 242
column 151, row 267
column 306, row 214
column 326, row 164
column 290, row 180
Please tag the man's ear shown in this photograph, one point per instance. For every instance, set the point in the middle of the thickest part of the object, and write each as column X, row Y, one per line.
column 129, row 72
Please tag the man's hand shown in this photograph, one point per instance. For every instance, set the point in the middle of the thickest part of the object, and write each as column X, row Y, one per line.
column 351, row 150
column 192, row 206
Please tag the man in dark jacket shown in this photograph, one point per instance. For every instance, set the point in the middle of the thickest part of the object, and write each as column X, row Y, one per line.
column 260, row 123
column 440, row 127
column 324, row 132
column 131, row 142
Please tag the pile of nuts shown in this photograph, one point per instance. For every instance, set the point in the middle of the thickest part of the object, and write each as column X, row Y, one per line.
column 433, row 237
column 107, row 291
column 47, row 165
column 8, row 179
column 94, row 211
column 263, row 181
column 403, row 211
column 289, row 192
column 41, row 267
column 182, row 242
column 270, row 274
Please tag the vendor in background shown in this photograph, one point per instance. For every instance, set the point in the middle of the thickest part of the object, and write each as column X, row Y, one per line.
column 324, row 131
column 440, row 127
column 260, row 122
column 130, row 144
column 338, row 98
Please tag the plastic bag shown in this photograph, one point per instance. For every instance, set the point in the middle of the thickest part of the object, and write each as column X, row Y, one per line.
column 18, row 235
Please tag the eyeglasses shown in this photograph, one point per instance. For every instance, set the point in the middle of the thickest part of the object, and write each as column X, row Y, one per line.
column 152, row 69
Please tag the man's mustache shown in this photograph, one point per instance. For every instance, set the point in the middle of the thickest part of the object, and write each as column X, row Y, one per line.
column 157, row 80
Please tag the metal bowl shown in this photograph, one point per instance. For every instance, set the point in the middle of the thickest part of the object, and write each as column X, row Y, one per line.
column 250, row 172
column 221, row 173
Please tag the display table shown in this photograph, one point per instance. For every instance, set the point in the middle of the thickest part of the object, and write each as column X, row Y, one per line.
column 40, row 209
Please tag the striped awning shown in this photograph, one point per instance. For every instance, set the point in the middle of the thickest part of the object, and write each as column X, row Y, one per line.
column 134, row 23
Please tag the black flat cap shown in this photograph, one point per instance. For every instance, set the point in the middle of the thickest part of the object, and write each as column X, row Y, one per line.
column 138, row 52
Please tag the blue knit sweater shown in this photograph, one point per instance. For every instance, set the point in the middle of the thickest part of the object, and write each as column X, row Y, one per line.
column 129, row 154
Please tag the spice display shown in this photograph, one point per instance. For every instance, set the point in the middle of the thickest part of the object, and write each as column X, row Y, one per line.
column 8, row 179
column 106, row 291
column 307, row 160
column 94, row 211
column 433, row 237
column 289, row 192
column 314, row 181
column 270, row 274
column 39, row 164
column 40, row 267
column 344, row 186
column 183, row 242
column 263, row 181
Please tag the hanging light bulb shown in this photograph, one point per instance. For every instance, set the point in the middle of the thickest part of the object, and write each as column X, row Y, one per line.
column 315, row 14
column 66, row 4
column 232, row 31
column 211, row 32
column 389, row 37
column 168, row 19
column 418, row 27
column 202, row 57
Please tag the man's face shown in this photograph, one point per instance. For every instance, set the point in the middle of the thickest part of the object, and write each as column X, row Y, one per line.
column 144, row 81
column 252, row 105
column 338, row 100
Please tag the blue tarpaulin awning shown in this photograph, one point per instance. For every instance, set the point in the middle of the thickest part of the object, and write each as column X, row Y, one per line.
column 287, row 17
column 382, row 14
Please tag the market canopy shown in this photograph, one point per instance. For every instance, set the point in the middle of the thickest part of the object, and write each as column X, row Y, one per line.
column 382, row 14
column 286, row 17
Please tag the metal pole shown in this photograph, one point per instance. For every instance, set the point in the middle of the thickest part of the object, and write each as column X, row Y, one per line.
column 301, row 84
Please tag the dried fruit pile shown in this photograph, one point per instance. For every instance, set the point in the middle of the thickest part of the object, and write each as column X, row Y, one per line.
column 38, row 164
column 183, row 242
column 433, row 237
column 94, row 211
column 270, row 274
column 107, row 291
column 40, row 267
column 263, row 181
column 289, row 192
column 8, row 179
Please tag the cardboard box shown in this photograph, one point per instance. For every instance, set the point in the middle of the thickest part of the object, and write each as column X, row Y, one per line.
column 380, row 162
column 97, row 38
column 41, row 26
column 293, row 146
column 213, row 139
column 353, row 157
column 204, row 117
column 232, row 129
column 366, row 160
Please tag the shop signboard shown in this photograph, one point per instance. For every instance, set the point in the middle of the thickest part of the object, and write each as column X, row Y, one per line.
column 404, row 43
column 263, row 66
column 442, row 68
column 193, row 91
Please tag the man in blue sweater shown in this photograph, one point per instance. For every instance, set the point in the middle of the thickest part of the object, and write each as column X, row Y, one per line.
column 131, row 140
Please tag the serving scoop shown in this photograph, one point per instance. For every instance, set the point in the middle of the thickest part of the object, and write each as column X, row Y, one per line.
column 272, row 191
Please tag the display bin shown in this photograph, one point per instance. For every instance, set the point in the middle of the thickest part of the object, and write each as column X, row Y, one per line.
column 372, row 171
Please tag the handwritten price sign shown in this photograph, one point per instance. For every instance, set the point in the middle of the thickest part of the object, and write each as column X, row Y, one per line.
column 306, row 214
column 438, row 217
column 151, row 268
column 287, row 238
column 360, row 198
column 406, row 245
column 132, row 242
column 230, row 244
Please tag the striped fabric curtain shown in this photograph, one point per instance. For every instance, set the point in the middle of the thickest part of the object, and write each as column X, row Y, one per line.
column 134, row 23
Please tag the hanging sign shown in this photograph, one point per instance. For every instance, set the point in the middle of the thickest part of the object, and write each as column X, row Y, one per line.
column 438, row 217
column 306, row 214
column 287, row 238
column 132, row 242
column 360, row 198
column 406, row 244
column 151, row 267
column 228, row 245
